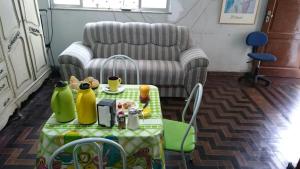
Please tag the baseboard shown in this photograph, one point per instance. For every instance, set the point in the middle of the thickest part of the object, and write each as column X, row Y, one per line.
column 9, row 110
column 217, row 73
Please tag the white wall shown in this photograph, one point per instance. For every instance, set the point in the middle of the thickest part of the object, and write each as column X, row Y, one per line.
column 223, row 43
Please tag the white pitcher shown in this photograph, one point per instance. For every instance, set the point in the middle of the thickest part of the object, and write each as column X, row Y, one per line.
column 133, row 119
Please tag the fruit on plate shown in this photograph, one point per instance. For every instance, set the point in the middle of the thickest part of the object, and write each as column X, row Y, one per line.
column 146, row 112
column 92, row 81
column 120, row 106
column 74, row 83
column 128, row 104
column 95, row 84
column 125, row 104
column 89, row 79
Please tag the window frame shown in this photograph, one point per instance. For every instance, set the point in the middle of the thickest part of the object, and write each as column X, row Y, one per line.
column 167, row 9
column 53, row 5
column 81, row 7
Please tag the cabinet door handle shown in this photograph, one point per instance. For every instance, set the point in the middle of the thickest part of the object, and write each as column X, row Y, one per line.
column 6, row 102
column 13, row 40
column 34, row 31
column 2, row 87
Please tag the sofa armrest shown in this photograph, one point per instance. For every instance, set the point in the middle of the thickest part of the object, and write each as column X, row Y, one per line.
column 76, row 54
column 193, row 58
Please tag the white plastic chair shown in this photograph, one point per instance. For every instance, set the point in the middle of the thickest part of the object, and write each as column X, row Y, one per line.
column 177, row 133
column 91, row 141
column 124, row 59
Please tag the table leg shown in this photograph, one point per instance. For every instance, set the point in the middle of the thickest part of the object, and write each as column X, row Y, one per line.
column 163, row 159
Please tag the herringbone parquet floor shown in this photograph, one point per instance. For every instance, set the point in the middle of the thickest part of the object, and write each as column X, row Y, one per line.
column 239, row 126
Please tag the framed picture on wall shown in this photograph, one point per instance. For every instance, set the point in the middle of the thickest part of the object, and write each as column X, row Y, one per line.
column 239, row 11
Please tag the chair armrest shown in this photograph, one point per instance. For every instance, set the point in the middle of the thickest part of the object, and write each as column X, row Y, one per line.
column 193, row 58
column 76, row 54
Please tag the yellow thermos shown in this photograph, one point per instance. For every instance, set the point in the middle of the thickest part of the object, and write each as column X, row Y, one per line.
column 86, row 104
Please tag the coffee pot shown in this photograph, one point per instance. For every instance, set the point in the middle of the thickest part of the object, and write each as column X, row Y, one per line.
column 86, row 104
column 62, row 103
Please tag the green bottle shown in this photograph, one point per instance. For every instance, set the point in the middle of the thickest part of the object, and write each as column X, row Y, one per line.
column 62, row 103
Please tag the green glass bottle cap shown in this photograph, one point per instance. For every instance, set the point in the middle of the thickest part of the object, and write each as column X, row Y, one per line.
column 61, row 84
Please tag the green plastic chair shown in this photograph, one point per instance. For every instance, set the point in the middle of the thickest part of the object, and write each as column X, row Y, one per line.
column 181, row 136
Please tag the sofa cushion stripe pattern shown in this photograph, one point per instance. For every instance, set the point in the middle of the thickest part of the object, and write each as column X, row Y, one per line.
column 66, row 70
column 183, row 38
column 136, row 33
column 109, row 38
column 77, row 54
column 163, row 34
column 164, row 90
column 162, row 52
column 161, row 72
column 103, row 32
column 164, row 73
column 193, row 58
column 172, row 91
column 107, row 50
column 148, row 51
column 194, row 76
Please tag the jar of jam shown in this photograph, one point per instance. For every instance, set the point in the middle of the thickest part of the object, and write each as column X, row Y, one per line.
column 121, row 120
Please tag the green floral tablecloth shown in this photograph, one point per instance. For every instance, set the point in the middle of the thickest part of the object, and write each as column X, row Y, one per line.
column 144, row 146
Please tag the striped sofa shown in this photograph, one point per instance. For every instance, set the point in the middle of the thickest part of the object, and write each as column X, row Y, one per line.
column 161, row 51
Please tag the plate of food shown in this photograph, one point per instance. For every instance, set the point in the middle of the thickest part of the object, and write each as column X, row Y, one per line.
column 126, row 104
column 75, row 83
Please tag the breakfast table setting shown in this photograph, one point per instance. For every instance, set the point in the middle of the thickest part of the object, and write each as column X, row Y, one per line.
column 127, row 114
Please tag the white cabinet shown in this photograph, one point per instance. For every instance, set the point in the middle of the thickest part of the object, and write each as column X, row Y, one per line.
column 15, row 46
column 19, row 66
column 34, row 31
column 23, row 60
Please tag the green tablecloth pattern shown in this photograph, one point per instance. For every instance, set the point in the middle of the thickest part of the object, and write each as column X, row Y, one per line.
column 140, row 145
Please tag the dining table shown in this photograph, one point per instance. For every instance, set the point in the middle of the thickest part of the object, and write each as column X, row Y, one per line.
column 143, row 146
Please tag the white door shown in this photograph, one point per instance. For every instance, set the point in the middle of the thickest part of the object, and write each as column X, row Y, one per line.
column 14, row 45
column 34, row 33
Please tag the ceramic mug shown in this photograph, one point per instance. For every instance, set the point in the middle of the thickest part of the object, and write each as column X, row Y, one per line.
column 113, row 83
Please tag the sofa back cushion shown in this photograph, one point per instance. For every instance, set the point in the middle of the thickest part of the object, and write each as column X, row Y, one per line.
column 136, row 33
column 142, row 41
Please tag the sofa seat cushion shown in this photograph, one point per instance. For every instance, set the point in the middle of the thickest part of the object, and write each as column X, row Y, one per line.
column 138, row 52
column 156, row 72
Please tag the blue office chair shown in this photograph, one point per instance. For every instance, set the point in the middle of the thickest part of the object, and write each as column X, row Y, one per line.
column 256, row 40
